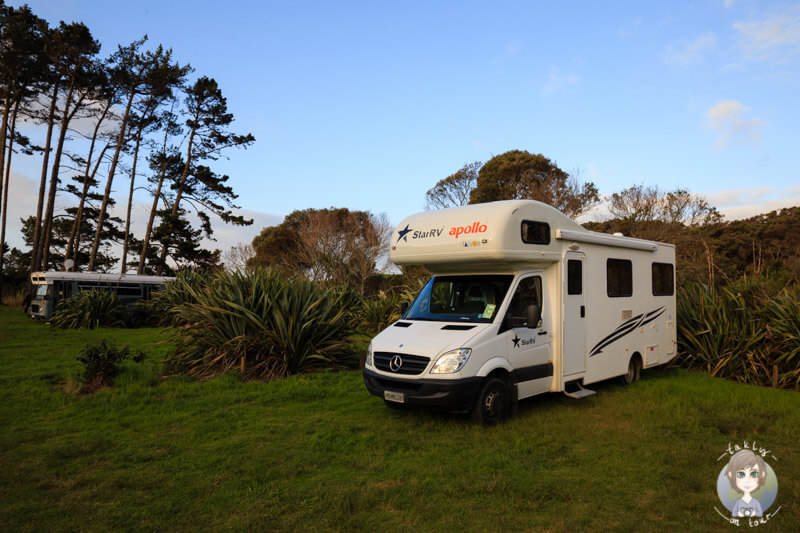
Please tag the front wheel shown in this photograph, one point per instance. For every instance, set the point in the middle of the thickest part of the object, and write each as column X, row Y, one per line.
column 493, row 403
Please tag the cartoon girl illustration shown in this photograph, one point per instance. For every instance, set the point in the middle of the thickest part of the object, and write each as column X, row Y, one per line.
column 746, row 473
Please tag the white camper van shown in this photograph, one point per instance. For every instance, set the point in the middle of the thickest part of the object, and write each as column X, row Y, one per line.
column 523, row 301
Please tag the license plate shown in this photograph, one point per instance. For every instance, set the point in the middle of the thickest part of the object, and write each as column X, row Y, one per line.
column 393, row 396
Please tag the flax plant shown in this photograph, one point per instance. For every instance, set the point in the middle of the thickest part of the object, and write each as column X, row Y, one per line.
column 268, row 325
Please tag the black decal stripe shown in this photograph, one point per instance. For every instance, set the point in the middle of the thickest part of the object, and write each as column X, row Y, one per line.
column 617, row 335
column 533, row 372
column 626, row 328
column 622, row 330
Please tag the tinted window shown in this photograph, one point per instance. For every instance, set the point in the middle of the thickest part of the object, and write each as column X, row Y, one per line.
column 663, row 279
column 619, row 277
column 535, row 232
column 529, row 292
column 574, row 276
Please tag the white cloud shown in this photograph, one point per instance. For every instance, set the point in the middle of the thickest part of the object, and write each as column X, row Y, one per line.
column 690, row 52
column 775, row 39
column 746, row 203
column 729, row 120
column 558, row 81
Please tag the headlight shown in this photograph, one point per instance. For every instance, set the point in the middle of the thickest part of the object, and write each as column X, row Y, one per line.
column 368, row 358
column 452, row 361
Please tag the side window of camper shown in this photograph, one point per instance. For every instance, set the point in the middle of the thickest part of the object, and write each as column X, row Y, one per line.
column 535, row 232
column 529, row 291
column 663, row 279
column 574, row 277
column 619, row 278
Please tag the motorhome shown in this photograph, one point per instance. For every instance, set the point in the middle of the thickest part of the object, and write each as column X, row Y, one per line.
column 49, row 288
column 523, row 301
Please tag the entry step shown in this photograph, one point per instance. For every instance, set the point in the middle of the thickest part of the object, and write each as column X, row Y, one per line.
column 580, row 393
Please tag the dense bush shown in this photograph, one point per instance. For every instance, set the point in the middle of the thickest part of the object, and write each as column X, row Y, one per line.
column 177, row 292
column 101, row 363
column 741, row 332
column 89, row 309
column 271, row 325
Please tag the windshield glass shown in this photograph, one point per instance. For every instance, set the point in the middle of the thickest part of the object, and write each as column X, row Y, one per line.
column 42, row 292
column 460, row 298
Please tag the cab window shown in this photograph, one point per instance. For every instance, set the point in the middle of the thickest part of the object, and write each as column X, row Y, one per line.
column 529, row 292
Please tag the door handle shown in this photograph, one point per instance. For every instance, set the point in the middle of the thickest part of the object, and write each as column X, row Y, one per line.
column 542, row 333
column 583, row 311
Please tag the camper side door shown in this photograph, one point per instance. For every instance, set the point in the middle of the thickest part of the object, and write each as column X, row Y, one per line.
column 529, row 346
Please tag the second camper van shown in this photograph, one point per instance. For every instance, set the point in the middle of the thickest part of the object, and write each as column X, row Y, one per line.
column 523, row 301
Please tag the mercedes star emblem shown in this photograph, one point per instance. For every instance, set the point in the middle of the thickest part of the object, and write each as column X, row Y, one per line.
column 396, row 363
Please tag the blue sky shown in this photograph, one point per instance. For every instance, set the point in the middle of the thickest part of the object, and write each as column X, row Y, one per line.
column 366, row 105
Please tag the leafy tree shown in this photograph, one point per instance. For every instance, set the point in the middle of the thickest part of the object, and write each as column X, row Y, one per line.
column 21, row 67
column 641, row 203
column 207, row 130
column 70, row 49
column 329, row 246
column 454, row 190
column 518, row 174
column 135, row 74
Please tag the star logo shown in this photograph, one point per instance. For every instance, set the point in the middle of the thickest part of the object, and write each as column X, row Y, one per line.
column 403, row 234
column 516, row 340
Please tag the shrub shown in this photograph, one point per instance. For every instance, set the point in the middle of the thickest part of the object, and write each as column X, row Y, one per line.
column 277, row 325
column 378, row 312
column 89, row 309
column 180, row 291
column 101, row 363
column 741, row 332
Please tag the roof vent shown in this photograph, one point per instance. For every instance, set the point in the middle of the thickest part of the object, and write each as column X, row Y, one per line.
column 618, row 234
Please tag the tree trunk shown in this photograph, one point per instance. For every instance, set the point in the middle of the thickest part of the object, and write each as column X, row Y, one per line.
column 66, row 117
column 37, row 233
column 5, row 182
column 130, row 202
column 107, row 193
column 163, row 258
column 74, row 236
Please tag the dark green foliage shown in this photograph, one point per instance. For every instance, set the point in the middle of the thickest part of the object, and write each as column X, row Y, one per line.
column 379, row 312
column 181, row 290
column 741, row 332
column 89, row 309
column 271, row 325
column 519, row 174
column 101, row 363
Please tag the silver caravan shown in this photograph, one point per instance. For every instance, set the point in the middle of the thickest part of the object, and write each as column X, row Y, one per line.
column 49, row 288
column 523, row 301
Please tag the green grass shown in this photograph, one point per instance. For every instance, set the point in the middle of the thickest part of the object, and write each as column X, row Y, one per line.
column 319, row 453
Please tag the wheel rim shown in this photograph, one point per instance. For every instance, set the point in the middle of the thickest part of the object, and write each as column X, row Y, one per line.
column 494, row 404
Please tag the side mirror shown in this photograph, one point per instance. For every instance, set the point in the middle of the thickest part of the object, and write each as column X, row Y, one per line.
column 403, row 308
column 534, row 316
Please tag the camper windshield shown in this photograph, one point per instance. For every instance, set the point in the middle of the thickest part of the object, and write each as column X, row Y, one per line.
column 42, row 291
column 460, row 298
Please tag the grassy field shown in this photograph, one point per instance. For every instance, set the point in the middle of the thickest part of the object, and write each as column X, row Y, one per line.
column 319, row 453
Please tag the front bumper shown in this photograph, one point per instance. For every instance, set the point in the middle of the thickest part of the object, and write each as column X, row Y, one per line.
column 447, row 395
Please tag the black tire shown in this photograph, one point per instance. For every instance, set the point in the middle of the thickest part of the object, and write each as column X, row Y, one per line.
column 493, row 403
column 634, row 371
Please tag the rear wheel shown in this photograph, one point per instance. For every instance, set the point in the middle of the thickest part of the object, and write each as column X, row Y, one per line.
column 493, row 403
column 634, row 371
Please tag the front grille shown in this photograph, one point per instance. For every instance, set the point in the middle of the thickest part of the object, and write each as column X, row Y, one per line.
column 412, row 365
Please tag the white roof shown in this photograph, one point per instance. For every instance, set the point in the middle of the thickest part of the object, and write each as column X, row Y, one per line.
column 42, row 277
column 482, row 235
